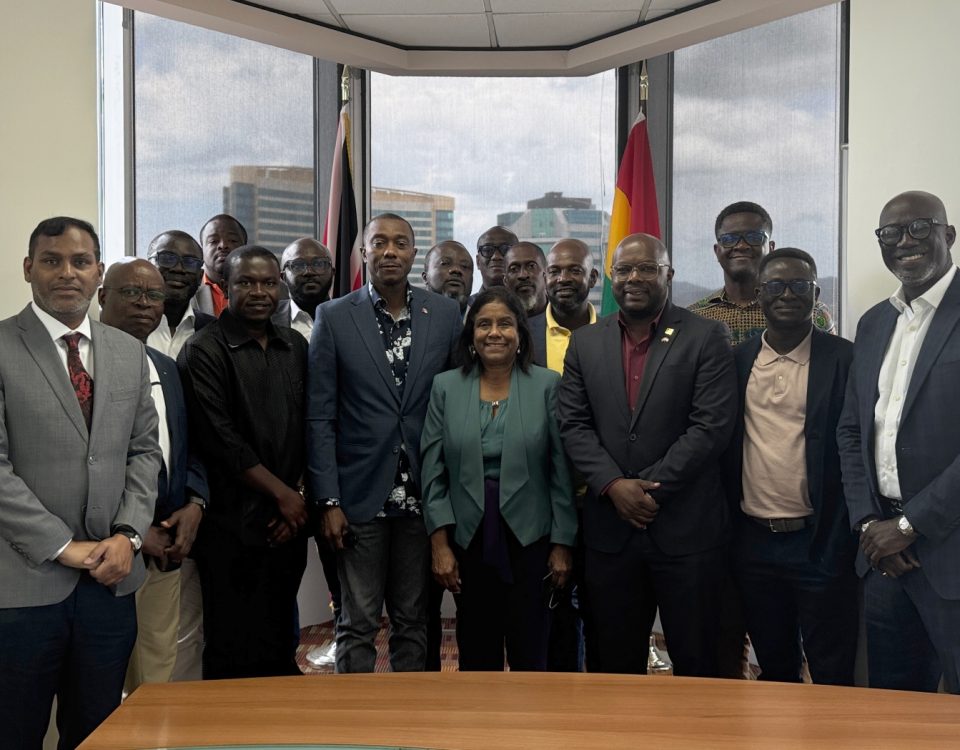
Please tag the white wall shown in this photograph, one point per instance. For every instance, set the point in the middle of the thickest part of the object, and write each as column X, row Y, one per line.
column 904, row 116
column 48, row 132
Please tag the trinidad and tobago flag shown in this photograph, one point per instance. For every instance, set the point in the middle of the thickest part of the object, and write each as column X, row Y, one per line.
column 341, row 233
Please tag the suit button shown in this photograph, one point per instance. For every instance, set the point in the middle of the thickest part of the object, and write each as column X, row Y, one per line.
column 396, row 449
column 91, row 460
column 633, row 437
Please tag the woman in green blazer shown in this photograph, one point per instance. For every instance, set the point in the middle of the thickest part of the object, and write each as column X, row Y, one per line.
column 497, row 497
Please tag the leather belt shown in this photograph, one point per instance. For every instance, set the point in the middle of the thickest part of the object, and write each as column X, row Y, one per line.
column 783, row 525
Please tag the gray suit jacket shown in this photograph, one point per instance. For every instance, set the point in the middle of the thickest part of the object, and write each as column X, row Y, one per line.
column 356, row 419
column 57, row 481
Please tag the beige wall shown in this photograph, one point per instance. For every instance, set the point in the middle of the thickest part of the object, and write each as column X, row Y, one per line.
column 904, row 116
column 48, row 132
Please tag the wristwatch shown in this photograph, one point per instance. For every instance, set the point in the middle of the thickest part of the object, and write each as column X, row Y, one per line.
column 199, row 501
column 905, row 527
column 135, row 540
column 866, row 525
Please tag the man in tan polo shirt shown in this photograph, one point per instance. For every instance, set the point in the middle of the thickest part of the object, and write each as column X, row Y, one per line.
column 793, row 551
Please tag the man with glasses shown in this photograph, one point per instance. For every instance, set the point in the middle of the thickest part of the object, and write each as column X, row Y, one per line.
column 793, row 551
column 743, row 231
column 308, row 273
column 647, row 437
column 492, row 247
column 132, row 299
column 899, row 436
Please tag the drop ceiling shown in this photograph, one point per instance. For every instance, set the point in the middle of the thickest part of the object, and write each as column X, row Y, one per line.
column 478, row 37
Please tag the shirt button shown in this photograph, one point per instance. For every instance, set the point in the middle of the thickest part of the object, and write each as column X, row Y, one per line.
column 633, row 437
column 636, row 377
column 903, row 363
column 896, row 397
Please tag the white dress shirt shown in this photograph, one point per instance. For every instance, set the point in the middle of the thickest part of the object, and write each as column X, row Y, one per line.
column 58, row 330
column 895, row 373
column 156, row 391
column 169, row 343
column 300, row 320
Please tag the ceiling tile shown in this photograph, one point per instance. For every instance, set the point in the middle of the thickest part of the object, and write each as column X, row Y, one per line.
column 564, row 6
column 557, row 29
column 313, row 9
column 656, row 13
column 424, row 31
column 406, row 7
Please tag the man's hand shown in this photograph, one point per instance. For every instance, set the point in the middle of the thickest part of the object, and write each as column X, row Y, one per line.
column 111, row 560
column 334, row 526
column 633, row 503
column 292, row 508
column 560, row 564
column 279, row 531
column 898, row 564
column 883, row 539
column 184, row 523
column 446, row 570
column 156, row 543
column 75, row 555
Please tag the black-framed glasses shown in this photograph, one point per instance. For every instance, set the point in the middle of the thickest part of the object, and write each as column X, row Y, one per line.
column 487, row 251
column 754, row 238
column 644, row 271
column 300, row 265
column 800, row 287
column 135, row 293
column 891, row 234
column 168, row 259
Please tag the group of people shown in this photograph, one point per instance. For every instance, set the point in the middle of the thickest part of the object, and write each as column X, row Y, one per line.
column 733, row 466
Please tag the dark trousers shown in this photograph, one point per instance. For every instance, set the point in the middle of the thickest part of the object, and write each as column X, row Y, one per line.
column 492, row 614
column 434, row 625
column 566, row 649
column 623, row 592
column 913, row 635
column 78, row 650
column 249, row 598
column 328, row 561
column 793, row 608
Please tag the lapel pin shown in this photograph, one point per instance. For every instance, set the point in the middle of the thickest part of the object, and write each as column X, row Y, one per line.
column 665, row 340
column 424, row 310
column 667, row 333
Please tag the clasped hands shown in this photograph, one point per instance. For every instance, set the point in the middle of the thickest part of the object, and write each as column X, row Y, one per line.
column 632, row 500
column 887, row 549
column 109, row 560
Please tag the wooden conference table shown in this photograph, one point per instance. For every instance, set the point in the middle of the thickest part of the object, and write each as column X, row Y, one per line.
column 503, row 711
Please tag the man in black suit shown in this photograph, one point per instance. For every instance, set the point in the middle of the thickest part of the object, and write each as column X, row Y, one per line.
column 793, row 550
column 132, row 299
column 646, row 406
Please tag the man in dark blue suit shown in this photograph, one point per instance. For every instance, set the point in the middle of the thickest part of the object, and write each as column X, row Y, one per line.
column 899, row 440
column 132, row 299
column 793, row 550
column 373, row 355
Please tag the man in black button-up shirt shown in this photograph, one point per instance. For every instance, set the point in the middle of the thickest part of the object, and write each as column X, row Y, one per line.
column 244, row 380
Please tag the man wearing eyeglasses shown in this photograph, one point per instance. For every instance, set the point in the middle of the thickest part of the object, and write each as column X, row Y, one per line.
column 646, row 406
column 792, row 550
column 179, row 259
column 743, row 231
column 308, row 273
column 132, row 299
column 899, row 436
column 492, row 248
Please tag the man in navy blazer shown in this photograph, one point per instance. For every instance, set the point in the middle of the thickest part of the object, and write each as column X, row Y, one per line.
column 132, row 300
column 793, row 550
column 373, row 355
column 899, row 439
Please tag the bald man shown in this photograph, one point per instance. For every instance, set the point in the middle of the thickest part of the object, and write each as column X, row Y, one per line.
column 647, row 439
column 132, row 299
column 307, row 268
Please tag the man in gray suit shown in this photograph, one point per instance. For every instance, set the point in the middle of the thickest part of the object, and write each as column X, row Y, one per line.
column 78, row 476
column 373, row 355
column 898, row 436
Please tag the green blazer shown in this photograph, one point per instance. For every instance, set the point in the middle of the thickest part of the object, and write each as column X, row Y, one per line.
column 536, row 495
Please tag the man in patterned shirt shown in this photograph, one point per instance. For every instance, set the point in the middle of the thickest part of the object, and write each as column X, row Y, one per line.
column 743, row 232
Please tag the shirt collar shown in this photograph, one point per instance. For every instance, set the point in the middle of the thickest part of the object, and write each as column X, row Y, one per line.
column 799, row 354
column 188, row 315
column 56, row 329
column 295, row 310
column 930, row 298
column 379, row 302
column 654, row 324
column 553, row 325
column 236, row 335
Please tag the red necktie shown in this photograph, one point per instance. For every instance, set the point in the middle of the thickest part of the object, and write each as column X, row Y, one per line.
column 79, row 377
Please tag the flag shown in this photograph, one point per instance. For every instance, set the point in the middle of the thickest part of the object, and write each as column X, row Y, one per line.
column 341, row 232
column 634, row 202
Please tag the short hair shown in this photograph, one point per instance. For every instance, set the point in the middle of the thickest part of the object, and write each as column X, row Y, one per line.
column 435, row 248
column 56, row 226
column 495, row 228
column 391, row 217
column 542, row 255
column 227, row 217
column 788, row 252
column 744, row 207
column 177, row 234
column 243, row 253
column 495, row 294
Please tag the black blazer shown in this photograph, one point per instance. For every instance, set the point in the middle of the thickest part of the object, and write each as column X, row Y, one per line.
column 833, row 546
column 538, row 332
column 681, row 425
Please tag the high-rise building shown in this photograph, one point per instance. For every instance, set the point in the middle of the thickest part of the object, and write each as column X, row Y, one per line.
column 431, row 217
column 277, row 205
column 555, row 217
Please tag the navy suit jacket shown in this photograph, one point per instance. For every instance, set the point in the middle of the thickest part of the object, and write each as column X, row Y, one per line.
column 832, row 546
column 538, row 331
column 356, row 419
column 188, row 472
column 928, row 440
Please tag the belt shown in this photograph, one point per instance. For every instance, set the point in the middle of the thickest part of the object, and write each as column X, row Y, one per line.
column 783, row 525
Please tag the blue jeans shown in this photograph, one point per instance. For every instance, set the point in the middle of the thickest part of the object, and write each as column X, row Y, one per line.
column 389, row 564
column 78, row 650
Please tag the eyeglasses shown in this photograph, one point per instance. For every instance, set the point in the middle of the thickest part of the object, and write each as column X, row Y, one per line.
column 645, row 271
column 800, row 287
column 754, row 238
column 300, row 265
column 891, row 234
column 135, row 293
column 168, row 259
column 487, row 251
